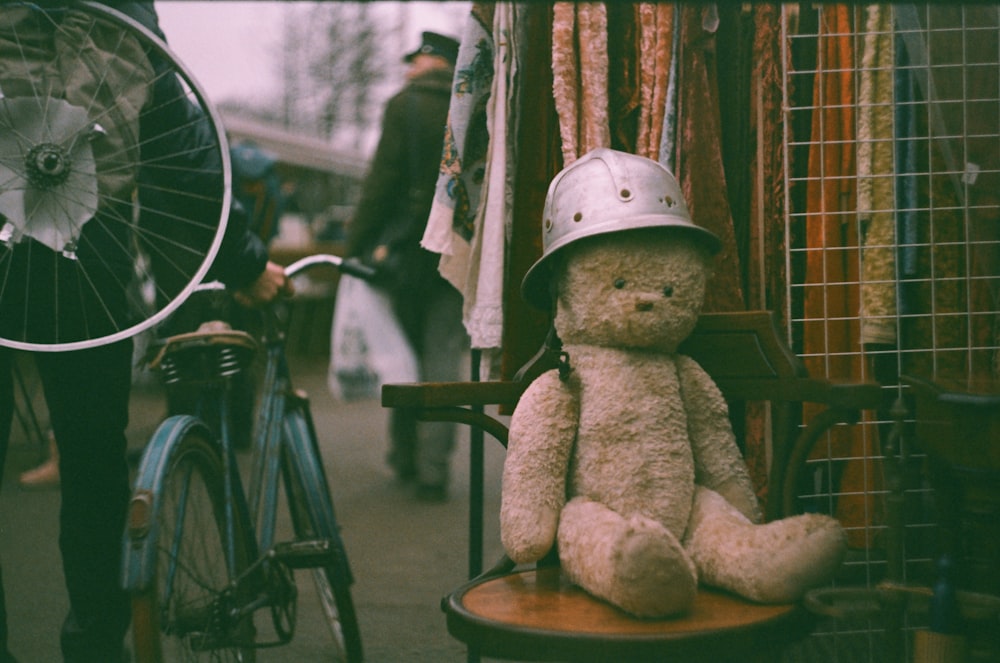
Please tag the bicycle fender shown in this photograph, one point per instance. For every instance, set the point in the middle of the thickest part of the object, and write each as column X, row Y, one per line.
column 140, row 536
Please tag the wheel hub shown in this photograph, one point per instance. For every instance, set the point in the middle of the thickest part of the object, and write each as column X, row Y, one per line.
column 48, row 165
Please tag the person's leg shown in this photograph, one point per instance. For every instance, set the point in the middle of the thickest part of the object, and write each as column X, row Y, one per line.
column 403, row 443
column 445, row 344
column 402, row 456
column 6, row 416
column 88, row 396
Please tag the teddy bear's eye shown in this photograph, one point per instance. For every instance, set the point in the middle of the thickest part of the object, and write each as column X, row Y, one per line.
column 619, row 283
column 668, row 290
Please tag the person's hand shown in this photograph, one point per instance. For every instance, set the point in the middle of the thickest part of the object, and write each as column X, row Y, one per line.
column 271, row 283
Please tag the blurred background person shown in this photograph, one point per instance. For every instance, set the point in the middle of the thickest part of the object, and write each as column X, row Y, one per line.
column 385, row 232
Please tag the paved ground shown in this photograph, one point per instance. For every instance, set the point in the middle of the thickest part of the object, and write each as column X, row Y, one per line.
column 406, row 555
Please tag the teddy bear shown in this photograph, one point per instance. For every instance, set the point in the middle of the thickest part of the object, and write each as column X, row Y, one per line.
column 625, row 459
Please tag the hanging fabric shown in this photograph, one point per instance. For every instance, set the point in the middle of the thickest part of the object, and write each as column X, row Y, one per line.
column 951, row 324
column 830, row 335
column 580, row 76
column 655, row 43
column 767, row 276
column 668, row 135
column 876, row 196
column 831, row 331
column 699, row 152
column 471, row 211
column 485, row 272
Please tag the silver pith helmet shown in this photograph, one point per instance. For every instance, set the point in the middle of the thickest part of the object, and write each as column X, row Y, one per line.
column 606, row 191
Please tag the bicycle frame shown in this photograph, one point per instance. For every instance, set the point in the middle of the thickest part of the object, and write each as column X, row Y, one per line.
column 251, row 506
column 268, row 443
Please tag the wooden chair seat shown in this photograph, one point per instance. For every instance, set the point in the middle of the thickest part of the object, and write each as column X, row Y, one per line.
column 537, row 614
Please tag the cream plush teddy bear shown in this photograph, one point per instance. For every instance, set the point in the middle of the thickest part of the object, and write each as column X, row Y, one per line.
column 628, row 461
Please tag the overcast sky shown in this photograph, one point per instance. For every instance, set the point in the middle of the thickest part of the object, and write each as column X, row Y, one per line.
column 230, row 46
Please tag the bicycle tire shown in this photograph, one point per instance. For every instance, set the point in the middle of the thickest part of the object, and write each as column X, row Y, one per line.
column 171, row 615
column 114, row 177
column 313, row 516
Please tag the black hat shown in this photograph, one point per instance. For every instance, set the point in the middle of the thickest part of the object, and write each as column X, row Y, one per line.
column 433, row 43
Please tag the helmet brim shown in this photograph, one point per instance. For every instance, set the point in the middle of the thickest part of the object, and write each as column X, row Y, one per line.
column 535, row 285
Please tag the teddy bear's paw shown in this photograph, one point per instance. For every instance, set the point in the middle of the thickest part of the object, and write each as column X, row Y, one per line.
column 771, row 563
column 635, row 564
column 794, row 555
column 654, row 577
column 528, row 536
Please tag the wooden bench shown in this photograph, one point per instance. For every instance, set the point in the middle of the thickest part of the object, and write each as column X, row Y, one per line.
column 535, row 614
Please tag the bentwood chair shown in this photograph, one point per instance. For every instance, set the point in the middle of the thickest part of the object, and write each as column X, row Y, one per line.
column 536, row 614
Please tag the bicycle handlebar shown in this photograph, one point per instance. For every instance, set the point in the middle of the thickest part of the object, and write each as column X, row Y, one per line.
column 345, row 265
column 350, row 266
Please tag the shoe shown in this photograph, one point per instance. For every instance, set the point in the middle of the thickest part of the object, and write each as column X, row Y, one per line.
column 42, row 477
column 434, row 492
column 46, row 475
column 402, row 466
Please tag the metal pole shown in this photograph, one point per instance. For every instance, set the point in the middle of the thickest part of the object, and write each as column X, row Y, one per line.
column 476, row 459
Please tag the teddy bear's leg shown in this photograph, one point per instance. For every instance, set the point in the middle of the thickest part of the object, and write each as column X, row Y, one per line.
column 773, row 563
column 634, row 563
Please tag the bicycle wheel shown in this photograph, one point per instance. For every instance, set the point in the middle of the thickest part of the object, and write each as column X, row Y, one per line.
column 114, row 177
column 184, row 613
column 313, row 517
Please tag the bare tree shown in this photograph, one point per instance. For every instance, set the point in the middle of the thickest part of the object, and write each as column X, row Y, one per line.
column 338, row 62
column 330, row 65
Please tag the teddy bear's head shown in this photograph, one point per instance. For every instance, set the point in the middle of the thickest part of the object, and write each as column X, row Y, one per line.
column 623, row 264
column 641, row 289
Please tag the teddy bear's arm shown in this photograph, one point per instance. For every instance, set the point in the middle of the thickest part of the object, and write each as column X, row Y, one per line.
column 542, row 431
column 719, row 465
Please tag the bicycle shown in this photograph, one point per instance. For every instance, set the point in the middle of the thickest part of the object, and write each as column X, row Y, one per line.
column 200, row 556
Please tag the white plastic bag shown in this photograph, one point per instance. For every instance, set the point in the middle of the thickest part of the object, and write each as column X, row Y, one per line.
column 367, row 345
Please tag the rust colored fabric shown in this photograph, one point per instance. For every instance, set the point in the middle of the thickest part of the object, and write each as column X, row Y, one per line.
column 767, row 276
column 580, row 76
column 699, row 153
column 656, row 30
column 639, row 40
column 624, row 63
column 831, row 330
column 538, row 160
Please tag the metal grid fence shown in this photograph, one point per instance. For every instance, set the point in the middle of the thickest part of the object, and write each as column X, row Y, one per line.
column 892, row 174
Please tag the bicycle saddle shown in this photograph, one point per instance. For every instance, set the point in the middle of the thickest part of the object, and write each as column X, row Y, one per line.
column 192, row 351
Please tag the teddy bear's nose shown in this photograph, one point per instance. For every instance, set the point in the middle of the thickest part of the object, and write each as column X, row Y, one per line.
column 644, row 304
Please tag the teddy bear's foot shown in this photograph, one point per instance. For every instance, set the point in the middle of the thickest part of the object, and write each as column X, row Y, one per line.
column 634, row 563
column 772, row 563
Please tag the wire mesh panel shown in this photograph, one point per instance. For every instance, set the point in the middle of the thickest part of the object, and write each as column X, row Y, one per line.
column 892, row 158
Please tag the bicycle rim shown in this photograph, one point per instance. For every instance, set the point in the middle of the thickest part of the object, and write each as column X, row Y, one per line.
column 176, row 618
column 313, row 517
column 114, row 178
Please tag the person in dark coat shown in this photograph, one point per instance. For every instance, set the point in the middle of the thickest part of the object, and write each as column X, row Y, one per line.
column 386, row 231
column 87, row 391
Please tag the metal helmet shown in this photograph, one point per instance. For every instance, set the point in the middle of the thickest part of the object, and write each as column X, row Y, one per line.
column 606, row 191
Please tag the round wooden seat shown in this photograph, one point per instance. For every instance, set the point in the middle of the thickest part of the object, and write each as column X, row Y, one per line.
column 538, row 615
